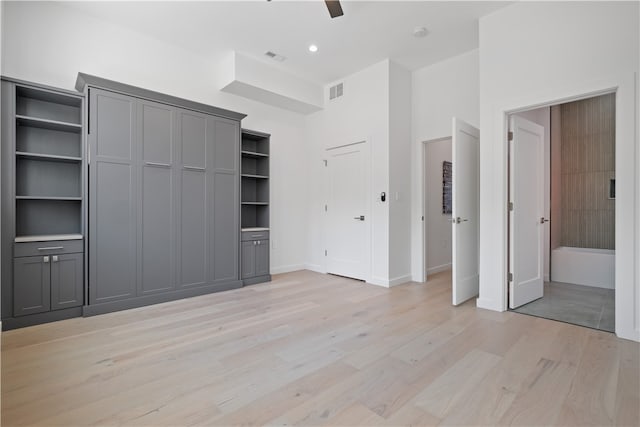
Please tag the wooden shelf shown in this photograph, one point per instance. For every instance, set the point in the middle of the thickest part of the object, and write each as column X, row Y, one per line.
column 246, row 175
column 48, row 198
column 48, row 157
column 48, row 124
column 254, row 155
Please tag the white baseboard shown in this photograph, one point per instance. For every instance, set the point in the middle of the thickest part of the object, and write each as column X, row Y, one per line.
column 315, row 267
column 287, row 268
column 378, row 281
column 387, row 283
column 438, row 268
column 487, row 304
column 400, row 280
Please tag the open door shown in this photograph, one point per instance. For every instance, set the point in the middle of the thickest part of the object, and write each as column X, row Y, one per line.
column 465, row 187
column 526, row 211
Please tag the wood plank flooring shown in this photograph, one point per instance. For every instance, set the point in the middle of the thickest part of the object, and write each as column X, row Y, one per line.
column 313, row 349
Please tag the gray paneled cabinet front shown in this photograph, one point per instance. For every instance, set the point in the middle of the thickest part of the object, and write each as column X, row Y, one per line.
column 67, row 281
column 31, row 285
column 164, row 199
column 255, row 258
column 48, row 282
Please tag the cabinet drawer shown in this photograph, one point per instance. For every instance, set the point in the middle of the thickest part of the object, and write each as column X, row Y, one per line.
column 47, row 248
column 254, row 235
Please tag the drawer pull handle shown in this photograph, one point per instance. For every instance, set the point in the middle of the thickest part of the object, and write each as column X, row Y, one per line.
column 256, row 235
column 51, row 248
column 193, row 168
column 164, row 165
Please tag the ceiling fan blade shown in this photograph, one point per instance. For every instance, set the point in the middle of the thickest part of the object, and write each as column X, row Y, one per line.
column 334, row 7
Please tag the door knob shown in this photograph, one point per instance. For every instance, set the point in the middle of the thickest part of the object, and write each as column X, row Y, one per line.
column 458, row 220
column 543, row 220
column 359, row 218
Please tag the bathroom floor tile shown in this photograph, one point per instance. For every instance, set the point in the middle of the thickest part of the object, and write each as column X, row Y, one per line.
column 580, row 305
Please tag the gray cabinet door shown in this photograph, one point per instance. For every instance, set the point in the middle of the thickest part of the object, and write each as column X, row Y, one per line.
column 224, row 199
column 193, row 232
column 112, row 197
column 248, row 259
column 156, row 209
column 66, row 281
column 262, row 258
column 31, row 285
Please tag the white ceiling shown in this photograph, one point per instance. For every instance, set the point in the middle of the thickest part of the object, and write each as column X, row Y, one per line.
column 369, row 31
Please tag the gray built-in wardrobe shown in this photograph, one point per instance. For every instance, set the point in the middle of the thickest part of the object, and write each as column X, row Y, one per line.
column 150, row 208
column 163, row 196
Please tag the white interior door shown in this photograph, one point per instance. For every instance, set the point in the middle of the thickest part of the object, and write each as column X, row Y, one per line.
column 465, row 218
column 348, row 219
column 526, row 219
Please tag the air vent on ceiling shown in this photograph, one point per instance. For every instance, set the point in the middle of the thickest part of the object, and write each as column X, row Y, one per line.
column 336, row 91
column 275, row 56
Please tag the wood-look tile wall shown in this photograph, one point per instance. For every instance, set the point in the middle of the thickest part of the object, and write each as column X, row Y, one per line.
column 587, row 164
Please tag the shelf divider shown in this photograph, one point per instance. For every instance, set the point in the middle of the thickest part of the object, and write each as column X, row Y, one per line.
column 49, row 157
column 48, row 124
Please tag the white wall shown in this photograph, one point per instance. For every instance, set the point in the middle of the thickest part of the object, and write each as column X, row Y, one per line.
column 361, row 114
column 399, row 174
column 438, row 224
column 375, row 107
column 440, row 92
column 532, row 54
column 542, row 116
column 1, row 61
column 50, row 43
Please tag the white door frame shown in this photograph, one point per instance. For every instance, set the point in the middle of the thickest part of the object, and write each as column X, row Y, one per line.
column 369, row 203
column 627, row 264
column 425, row 204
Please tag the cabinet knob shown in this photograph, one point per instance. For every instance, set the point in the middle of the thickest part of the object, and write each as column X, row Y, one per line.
column 45, row 259
column 54, row 258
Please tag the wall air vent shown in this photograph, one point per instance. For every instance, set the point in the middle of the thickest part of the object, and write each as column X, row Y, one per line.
column 336, row 91
column 275, row 56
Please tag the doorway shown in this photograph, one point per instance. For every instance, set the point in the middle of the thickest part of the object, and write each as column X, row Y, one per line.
column 562, row 212
column 438, row 205
column 451, row 206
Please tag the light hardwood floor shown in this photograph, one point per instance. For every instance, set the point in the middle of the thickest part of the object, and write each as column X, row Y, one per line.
column 311, row 349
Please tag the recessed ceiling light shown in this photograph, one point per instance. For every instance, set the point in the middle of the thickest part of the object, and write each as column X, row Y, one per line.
column 420, row 31
column 313, row 48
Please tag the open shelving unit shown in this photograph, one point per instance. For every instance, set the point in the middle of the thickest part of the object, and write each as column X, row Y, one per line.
column 48, row 165
column 255, row 181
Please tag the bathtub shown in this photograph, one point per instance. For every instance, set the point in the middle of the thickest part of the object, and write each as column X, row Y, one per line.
column 584, row 266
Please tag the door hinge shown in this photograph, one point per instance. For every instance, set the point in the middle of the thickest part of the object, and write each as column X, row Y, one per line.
column 325, row 208
column 510, row 277
column 510, row 136
column 510, row 206
column 325, row 252
column 422, row 218
column 325, row 163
